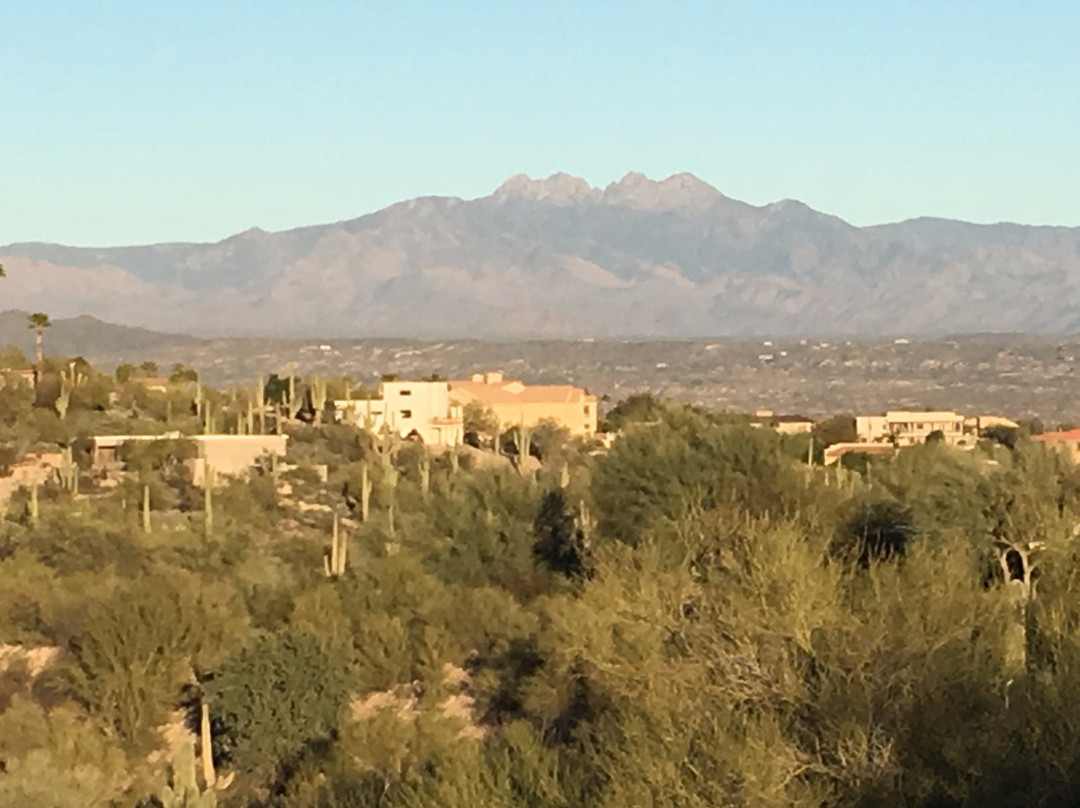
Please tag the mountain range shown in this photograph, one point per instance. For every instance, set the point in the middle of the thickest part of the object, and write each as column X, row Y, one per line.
column 557, row 257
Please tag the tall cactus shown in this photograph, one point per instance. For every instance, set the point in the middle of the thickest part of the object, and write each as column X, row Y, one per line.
column 524, row 442
column 334, row 566
column 68, row 382
column 69, row 471
column 317, row 388
column 35, row 509
column 390, row 477
column 206, row 747
column 365, row 493
column 260, row 404
column 208, row 498
column 425, row 474
column 585, row 523
column 146, row 526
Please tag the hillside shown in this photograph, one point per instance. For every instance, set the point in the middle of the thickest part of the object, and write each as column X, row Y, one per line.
column 88, row 336
column 557, row 257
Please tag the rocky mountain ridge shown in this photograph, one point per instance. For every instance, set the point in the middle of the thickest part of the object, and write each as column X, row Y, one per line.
column 557, row 257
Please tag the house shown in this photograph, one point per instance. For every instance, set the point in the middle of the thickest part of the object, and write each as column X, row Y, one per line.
column 227, row 455
column 1067, row 442
column 418, row 409
column 907, row 428
column 516, row 403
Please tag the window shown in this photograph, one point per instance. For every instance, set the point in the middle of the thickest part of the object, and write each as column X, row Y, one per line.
column 406, row 413
column 405, row 392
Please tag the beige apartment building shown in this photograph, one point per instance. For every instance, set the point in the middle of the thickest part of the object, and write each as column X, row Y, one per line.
column 907, row 428
column 516, row 403
column 417, row 409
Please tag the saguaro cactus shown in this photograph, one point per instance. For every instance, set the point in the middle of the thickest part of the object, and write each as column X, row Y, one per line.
column 585, row 523
column 69, row 471
column 63, row 401
column 184, row 790
column 390, row 477
column 260, row 404
column 34, row 512
column 365, row 493
column 334, row 565
column 146, row 526
column 208, row 498
column 317, row 387
column 425, row 474
column 206, row 747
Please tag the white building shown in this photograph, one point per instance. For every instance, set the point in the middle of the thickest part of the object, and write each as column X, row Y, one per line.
column 906, row 428
column 421, row 409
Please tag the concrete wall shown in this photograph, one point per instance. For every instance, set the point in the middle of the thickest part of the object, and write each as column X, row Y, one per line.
column 407, row 407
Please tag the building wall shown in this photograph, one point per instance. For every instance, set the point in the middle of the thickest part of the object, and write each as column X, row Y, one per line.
column 233, row 455
column 577, row 416
column 908, row 428
column 405, row 407
column 514, row 403
column 227, row 455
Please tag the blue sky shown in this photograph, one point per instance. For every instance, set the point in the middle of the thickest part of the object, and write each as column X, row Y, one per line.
column 133, row 122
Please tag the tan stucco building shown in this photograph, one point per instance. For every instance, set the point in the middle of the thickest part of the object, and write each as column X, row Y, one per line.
column 907, row 428
column 1067, row 442
column 227, row 455
column 422, row 409
column 516, row 403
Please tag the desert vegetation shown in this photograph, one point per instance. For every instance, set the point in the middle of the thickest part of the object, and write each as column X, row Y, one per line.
column 696, row 616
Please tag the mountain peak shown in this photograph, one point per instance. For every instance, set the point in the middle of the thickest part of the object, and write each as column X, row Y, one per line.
column 558, row 189
column 684, row 190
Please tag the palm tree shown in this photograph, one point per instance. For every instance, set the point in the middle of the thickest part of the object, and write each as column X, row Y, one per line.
column 38, row 321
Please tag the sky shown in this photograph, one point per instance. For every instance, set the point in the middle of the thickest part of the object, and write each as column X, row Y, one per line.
column 142, row 121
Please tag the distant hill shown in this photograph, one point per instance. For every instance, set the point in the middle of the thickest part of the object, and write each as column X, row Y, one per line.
column 88, row 336
column 558, row 258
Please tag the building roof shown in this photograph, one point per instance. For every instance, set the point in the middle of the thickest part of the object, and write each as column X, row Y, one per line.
column 1050, row 437
column 515, row 392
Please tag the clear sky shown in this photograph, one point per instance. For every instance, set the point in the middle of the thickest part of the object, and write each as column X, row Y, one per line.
column 141, row 121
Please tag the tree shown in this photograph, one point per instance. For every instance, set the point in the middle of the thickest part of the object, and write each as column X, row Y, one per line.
column 275, row 697
column 479, row 421
column 560, row 543
column 38, row 322
column 182, row 373
column 837, row 429
column 3, row 273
